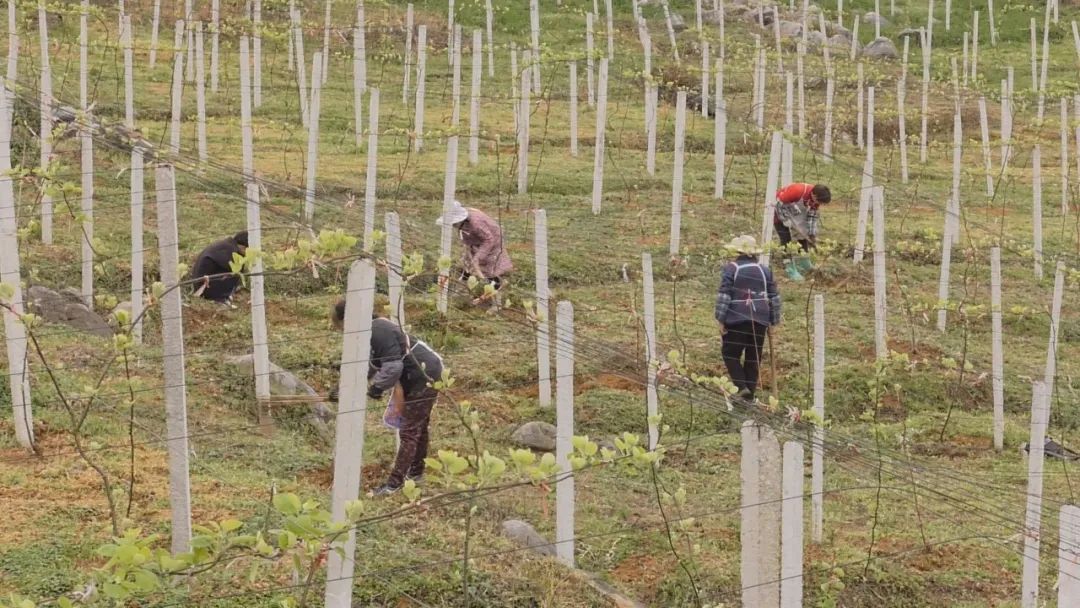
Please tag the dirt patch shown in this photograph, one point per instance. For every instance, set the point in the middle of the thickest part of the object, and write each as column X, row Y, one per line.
column 959, row 446
column 531, row 391
column 609, row 381
column 941, row 558
column 993, row 211
column 282, row 313
column 643, row 573
column 372, row 475
column 497, row 410
column 920, row 349
column 321, row 477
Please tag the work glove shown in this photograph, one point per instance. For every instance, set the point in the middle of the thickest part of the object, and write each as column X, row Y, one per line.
column 374, row 392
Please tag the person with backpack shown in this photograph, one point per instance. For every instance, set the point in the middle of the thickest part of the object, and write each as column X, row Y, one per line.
column 400, row 362
column 484, row 254
column 747, row 305
column 213, row 267
column 797, row 216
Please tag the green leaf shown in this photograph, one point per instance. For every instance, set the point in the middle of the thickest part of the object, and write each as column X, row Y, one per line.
column 114, row 591
column 410, row 491
column 145, row 580
column 522, row 457
column 198, row 542
column 287, row 503
column 354, row 509
column 246, row 540
column 286, row 540
column 168, row 563
column 493, row 466
column 457, row 465
column 231, row 525
column 548, row 464
column 126, row 553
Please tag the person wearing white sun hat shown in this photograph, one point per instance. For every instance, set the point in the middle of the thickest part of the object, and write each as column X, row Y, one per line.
column 747, row 305
column 484, row 254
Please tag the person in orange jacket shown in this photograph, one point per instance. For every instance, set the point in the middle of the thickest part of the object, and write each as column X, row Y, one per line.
column 797, row 218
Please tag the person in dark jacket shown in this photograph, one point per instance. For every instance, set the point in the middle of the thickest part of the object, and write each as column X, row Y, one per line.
column 746, row 306
column 212, row 266
column 398, row 358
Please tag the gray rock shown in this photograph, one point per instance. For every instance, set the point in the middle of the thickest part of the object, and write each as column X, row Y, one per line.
column 536, row 435
column 745, row 15
column 523, row 534
column 875, row 19
column 814, row 40
column 914, row 34
column 790, row 29
column 66, row 307
column 284, row 383
column 834, row 29
column 711, row 17
column 881, row 48
column 677, row 22
column 839, row 44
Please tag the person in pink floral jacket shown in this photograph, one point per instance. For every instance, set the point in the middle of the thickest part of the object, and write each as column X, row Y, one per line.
column 484, row 253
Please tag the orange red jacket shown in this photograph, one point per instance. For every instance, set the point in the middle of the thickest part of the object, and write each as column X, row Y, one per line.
column 795, row 193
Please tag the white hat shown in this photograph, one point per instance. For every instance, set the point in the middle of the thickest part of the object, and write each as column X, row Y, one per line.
column 745, row 244
column 454, row 215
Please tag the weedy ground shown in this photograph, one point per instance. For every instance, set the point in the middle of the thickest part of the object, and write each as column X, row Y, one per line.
column 949, row 534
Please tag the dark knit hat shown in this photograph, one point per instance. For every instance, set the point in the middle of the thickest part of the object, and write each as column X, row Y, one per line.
column 241, row 238
column 379, row 308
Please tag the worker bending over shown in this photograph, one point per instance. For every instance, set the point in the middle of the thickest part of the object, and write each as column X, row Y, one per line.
column 398, row 358
column 213, row 266
column 797, row 216
column 484, row 254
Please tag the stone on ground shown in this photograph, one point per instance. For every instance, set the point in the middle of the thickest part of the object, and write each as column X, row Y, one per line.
column 66, row 307
column 536, row 435
column 881, row 48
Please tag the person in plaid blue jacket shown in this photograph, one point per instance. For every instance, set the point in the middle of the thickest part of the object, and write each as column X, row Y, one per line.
column 747, row 305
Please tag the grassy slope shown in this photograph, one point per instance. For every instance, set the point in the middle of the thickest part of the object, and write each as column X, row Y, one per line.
column 61, row 513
